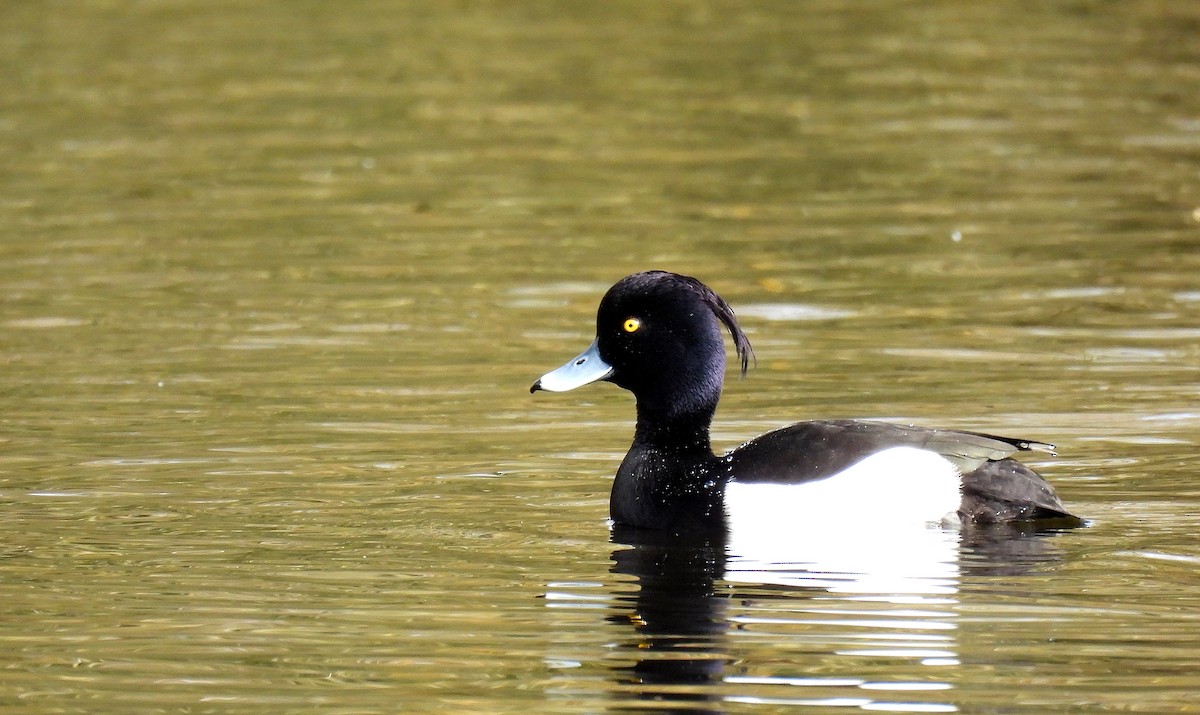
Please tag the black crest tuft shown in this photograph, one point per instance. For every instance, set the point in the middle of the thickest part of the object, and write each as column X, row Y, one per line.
column 719, row 308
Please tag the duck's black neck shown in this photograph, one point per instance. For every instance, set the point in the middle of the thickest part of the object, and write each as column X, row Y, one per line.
column 674, row 433
column 670, row 479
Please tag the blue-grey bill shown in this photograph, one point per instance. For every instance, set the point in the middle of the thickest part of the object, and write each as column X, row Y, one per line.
column 585, row 368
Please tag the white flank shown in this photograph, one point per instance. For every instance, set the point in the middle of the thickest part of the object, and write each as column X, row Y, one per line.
column 879, row 526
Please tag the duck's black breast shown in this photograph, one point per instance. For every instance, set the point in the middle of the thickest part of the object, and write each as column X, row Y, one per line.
column 678, row 491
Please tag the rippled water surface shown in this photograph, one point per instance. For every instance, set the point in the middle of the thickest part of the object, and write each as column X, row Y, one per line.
column 275, row 279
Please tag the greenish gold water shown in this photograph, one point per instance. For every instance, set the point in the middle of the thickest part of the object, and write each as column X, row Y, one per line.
column 275, row 279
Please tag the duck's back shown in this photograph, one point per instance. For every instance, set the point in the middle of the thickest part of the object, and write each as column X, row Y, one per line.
column 991, row 487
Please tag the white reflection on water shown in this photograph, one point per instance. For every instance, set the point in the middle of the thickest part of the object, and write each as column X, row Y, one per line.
column 915, row 560
column 791, row 311
column 693, row 624
column 849, row 617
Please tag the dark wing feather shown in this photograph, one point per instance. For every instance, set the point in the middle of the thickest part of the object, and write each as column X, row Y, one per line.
column 812, row 450
column 1007, row 490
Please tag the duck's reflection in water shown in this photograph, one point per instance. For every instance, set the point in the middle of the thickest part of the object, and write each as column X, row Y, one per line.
column 679, row 618
column 869, row 622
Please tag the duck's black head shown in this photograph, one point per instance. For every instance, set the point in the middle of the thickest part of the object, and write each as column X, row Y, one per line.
column 658, row 335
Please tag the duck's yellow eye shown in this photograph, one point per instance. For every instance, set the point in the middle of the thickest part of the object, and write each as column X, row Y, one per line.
column 631, row 325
